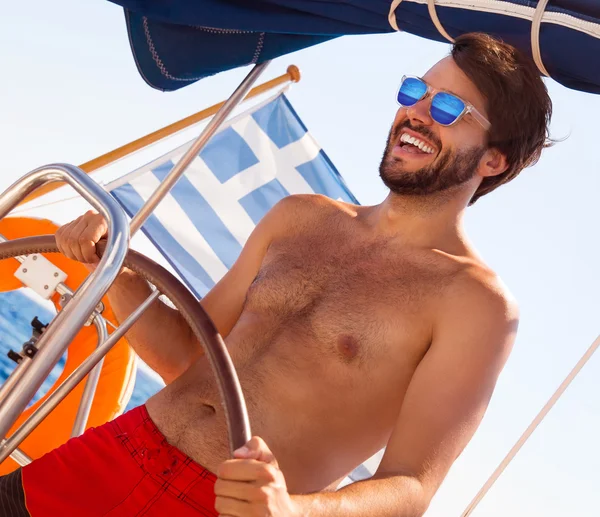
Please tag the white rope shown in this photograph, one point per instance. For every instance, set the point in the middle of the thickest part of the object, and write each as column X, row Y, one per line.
column 432, row 13
column 532, row 427
column 536, row 23
column 392, row 15
column 436, row 21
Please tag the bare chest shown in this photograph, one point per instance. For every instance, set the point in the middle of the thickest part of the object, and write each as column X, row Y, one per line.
column 356, row 300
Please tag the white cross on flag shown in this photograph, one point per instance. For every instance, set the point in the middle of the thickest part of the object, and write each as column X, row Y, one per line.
column 254, row 161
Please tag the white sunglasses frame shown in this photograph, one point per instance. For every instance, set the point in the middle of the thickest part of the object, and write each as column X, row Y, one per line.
column 431, row 92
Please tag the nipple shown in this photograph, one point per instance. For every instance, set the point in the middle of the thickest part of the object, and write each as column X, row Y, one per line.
column 348, row 346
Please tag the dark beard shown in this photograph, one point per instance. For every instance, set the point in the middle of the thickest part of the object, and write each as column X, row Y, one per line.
column 451, row 169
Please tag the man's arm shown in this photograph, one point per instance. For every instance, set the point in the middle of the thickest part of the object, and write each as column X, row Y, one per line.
column 161, row 337
column 444, row 404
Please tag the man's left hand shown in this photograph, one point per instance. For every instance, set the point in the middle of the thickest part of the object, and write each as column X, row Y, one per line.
column 252, row 485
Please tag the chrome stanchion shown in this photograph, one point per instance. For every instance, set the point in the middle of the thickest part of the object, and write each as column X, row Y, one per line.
column 87, row 397
column 59, row 334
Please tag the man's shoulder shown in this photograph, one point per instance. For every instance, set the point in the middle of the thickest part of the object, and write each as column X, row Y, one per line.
column 479, row 294
column 308, row 206
column 296, row 213
column 301, row 201
column 476, row 313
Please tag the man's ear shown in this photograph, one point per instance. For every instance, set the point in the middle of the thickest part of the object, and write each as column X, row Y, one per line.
column 493, row 163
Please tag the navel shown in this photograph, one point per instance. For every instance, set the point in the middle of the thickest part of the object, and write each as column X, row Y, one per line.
column 347, row 346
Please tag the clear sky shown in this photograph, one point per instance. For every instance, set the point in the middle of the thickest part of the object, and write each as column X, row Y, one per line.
column 70, row 91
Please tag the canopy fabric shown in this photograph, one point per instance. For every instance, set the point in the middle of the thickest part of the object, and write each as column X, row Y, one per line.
column 177, row 42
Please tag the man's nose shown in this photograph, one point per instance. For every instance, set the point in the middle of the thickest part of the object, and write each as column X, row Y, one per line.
column 419, row 112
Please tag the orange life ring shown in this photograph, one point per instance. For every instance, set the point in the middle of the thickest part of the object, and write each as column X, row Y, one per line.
column 118, row 371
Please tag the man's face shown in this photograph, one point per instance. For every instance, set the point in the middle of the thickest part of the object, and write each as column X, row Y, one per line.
column 457, row 150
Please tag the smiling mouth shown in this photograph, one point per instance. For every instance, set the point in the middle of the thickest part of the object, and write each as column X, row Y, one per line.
column 414, row 145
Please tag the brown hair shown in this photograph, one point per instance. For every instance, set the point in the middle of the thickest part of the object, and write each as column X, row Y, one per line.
column 518, row 105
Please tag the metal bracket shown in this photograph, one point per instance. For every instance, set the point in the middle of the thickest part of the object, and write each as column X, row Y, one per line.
column 65, row 297
column 29, row 348
column 41, row 275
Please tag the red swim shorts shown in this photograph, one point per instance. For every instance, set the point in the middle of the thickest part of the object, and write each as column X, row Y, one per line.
column 124, row 468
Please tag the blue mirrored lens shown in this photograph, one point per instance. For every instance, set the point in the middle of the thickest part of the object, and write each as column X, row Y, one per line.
column 446, row 108
column 412, row 90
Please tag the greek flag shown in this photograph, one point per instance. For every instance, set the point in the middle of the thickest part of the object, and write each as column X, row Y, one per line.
column 254, row 161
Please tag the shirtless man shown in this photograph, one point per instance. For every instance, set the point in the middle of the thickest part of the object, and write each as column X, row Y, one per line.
column 352, row 328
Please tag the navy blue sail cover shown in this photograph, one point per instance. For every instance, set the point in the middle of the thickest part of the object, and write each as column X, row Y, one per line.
column 177, row 42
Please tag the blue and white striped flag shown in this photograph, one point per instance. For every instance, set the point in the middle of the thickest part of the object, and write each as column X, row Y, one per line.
column 254, row 161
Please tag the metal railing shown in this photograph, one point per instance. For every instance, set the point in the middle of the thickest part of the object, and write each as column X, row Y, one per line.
column 54, row 341
column 28, row 376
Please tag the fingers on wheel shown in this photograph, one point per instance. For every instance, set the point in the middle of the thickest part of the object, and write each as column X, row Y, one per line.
column 77, row 240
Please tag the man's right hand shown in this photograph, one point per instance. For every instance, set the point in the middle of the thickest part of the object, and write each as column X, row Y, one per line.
column 77, row 240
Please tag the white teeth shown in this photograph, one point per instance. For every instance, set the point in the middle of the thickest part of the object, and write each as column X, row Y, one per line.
column 406, row 138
